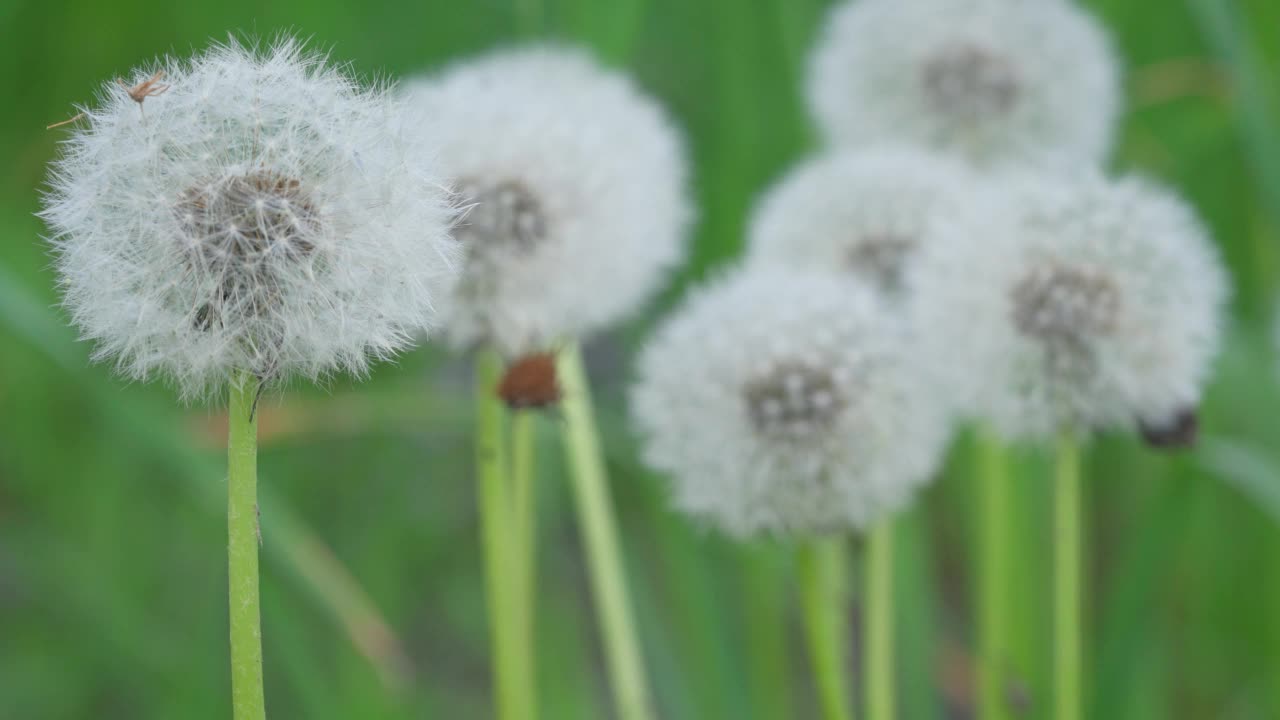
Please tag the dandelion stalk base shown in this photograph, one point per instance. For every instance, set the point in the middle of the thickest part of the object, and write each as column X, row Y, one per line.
column 879, row 622
column 995, row 538
column 513, row 695
column 823, row 592
column 1066, row 607
column 595, row 515
column 247, row 697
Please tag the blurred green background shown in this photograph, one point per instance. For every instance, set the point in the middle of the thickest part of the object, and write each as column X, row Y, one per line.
column 112, row 565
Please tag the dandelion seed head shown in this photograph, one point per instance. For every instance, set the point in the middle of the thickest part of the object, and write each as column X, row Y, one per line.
column 989, row 80
column 862, row 211
column 264, row 214
column 1098, row 305
column 785, row 400
column 573, row 182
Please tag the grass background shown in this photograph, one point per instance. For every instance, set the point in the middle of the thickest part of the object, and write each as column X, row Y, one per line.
column 112, row 564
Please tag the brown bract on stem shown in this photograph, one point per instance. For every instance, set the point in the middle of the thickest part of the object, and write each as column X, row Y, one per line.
column 530, row 382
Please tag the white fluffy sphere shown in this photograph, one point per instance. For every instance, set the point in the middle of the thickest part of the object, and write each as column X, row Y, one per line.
column 990, row 80
column 262, row 213
column 1099, row 305
column 866, row 212
column 577, row 185
column 787, row 401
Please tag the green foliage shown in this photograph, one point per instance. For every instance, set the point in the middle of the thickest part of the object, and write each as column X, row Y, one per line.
column 112, row 575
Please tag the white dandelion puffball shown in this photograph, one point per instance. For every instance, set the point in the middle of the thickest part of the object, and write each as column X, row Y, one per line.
column 866, row 212
column 1099, row 306
column 576, row 187
column 256, row 211
column 786, row 401
column 990, row 80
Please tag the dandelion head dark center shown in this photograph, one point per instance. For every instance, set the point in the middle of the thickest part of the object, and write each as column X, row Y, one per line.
column 970, row 83
column 244, row 231
column 881, row 258
column 504, row 215
column 1065, row 305
column 793, row 400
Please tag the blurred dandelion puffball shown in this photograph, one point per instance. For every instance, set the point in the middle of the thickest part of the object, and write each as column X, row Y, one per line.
column 576, row 187
column 1100, row 305
column 992, row 81
column 865, row 212
column 263, row 214
column 787, row 401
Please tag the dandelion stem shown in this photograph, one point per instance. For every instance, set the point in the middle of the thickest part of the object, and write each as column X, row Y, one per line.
column 878, row 659
column 823, row 595
column 495, row 521
column 766, row 581
column 995, row 546
column 524, row 554
column 595, row 515
column 247, row 698
column 1066, row 609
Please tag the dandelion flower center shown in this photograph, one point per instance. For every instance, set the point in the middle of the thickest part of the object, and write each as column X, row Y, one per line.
column 1064, row 306
column 243, row 231
column 970, row 83
column 793, row 400
column 504, row 215
column 881, row 257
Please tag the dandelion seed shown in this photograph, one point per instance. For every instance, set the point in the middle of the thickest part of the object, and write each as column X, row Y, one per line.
column 784, row 400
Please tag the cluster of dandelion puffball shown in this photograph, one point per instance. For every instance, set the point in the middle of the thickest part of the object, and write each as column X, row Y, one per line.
column 262, row 213
column 574, row 188
column 785, row 401
column 1013, row 284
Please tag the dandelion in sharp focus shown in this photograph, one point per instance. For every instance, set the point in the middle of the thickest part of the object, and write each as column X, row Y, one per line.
column 266, row 215
column 988, row 80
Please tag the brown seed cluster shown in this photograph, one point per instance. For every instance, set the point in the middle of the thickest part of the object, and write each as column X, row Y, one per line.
column 1062, row 304
column 1067, row 309
column 506, row 215
column 970, row 83
column 242, row 230
column 793, row 400
column 881, row 258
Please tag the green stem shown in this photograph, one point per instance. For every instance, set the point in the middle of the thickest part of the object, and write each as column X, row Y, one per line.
column 247, row 698
column 766, row 579
column 595, row 515
column 1066, row 608
column 524, row 554
column 823, row 595
column 995, row 546
column 495, row 521
column 879, row 622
